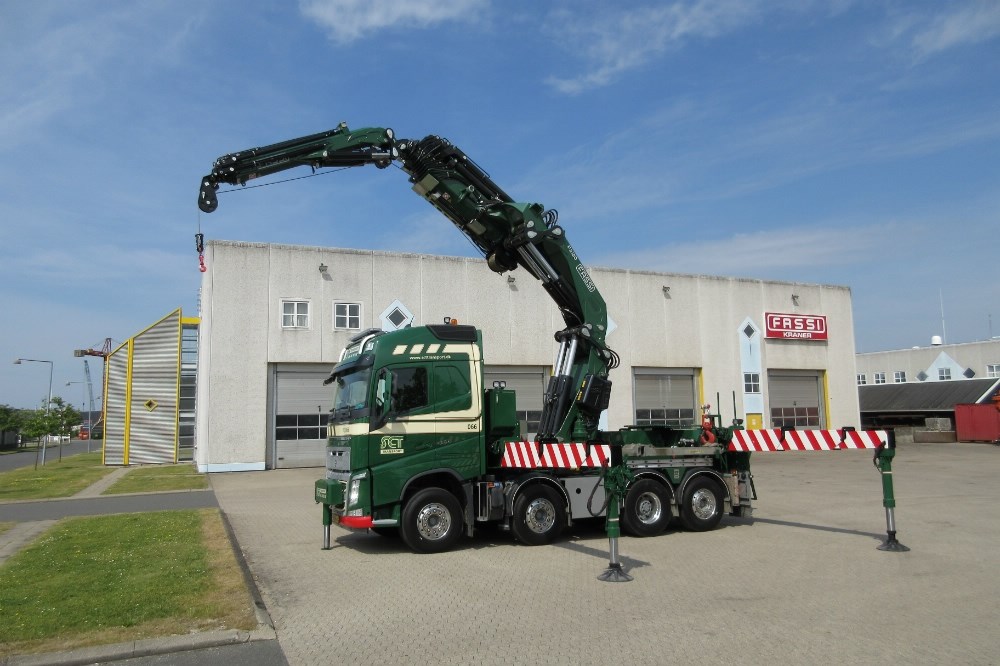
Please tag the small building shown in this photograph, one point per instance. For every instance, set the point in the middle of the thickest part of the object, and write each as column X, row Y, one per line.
column 274, row 319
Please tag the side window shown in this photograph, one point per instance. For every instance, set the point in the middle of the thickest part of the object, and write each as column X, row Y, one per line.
column 409, row 389
column 452, row 388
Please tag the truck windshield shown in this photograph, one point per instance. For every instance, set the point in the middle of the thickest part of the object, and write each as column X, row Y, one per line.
column 350, row 394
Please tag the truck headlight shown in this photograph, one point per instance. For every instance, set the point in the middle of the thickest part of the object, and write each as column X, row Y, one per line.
column 354, row 489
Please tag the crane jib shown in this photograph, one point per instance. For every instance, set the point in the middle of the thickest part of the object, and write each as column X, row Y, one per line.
column 510, row 234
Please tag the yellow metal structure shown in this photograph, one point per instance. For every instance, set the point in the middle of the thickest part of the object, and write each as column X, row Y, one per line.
column 142, row 395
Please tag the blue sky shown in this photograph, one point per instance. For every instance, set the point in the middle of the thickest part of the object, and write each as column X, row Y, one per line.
column 836, row 142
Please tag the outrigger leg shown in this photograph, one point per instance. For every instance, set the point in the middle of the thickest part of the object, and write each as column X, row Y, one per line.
column 615, row 482
column 883, row 462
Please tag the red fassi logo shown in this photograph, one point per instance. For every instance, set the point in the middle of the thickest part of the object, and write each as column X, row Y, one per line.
column 795, row 327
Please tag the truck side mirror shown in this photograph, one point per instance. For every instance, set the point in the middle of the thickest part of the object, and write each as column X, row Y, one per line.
column 383, row 399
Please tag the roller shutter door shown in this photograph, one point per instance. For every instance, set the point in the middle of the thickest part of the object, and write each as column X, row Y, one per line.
column 664, row 397
column 301, row 408
column 795, row 399
column 529, row 383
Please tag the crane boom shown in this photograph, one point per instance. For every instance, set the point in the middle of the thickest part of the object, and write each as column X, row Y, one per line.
column 509, row 234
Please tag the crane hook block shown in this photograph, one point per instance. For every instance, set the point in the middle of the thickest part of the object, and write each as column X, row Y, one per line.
column 207, row 200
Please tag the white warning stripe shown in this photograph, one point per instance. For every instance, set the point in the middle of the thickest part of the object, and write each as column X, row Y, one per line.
column 775, row 439
column 525, row 455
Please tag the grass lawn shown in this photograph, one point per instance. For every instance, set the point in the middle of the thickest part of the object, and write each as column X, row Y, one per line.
column 53, row 479
column 160, row 477
column 110, row 579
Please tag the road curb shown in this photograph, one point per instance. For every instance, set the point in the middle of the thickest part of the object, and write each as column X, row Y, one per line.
column 145, row 647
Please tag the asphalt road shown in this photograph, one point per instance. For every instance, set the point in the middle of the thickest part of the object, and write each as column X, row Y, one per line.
column 9, row 461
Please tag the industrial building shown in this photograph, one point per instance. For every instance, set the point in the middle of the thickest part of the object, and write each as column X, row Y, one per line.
column 274, row 319
column 916, row 390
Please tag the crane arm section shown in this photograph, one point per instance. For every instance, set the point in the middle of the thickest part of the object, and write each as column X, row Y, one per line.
column 509, row 234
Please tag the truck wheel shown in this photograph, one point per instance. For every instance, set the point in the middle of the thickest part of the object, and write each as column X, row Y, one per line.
column 539, row 515
column 431, row 521
column 647, row 508
column 701, row 509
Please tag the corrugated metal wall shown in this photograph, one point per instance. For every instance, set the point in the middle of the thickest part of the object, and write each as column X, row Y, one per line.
column 141, row 396
column 115, row 401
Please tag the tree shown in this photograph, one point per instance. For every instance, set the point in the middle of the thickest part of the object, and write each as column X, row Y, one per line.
column 11, row 421
column 62, row 417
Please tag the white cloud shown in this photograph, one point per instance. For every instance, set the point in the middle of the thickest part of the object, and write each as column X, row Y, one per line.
column 618, row 40
column 971, row 24
column 350, row 20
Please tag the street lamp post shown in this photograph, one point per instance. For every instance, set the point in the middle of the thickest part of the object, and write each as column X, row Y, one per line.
column 48, row 403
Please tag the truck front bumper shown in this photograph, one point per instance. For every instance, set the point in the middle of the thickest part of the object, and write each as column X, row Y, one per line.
column 330, row 493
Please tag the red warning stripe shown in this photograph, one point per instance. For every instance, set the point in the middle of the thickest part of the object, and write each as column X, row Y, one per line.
column 525, row 455
column 775, row 439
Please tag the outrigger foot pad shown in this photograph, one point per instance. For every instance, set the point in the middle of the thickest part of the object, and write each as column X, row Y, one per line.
column 891, row 545
column 614, row 574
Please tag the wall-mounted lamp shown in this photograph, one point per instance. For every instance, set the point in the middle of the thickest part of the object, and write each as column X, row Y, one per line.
column 323, row 268
column 511, row 279
column 666, row 291
column 795, row 299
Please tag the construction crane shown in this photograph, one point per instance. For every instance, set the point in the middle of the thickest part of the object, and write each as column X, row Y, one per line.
column 103, row 352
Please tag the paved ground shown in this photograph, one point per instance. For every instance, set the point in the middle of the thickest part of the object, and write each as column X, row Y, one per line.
column 801, row 583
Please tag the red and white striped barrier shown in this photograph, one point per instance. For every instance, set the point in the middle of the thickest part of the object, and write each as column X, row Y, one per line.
column 572, row 456
column 776, row 439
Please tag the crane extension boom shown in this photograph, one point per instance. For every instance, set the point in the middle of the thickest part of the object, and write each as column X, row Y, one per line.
column 508, row 234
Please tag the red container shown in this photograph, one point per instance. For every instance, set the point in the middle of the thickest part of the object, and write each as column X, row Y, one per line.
column 977, row 423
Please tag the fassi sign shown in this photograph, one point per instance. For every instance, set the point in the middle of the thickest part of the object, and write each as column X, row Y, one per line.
column 794, row 326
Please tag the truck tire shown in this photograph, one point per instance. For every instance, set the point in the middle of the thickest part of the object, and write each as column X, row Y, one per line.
column 647, row 508
column 539, row 515
column 702, row 506
column 431, row 521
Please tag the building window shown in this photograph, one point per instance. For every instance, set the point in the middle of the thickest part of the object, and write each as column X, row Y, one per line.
column 880, row 378
column 300, row 426
column 347, row 315
column 993, row 369
column 944, row 374
column 294, row 314
column 862, row 379
column 899, row 377
column 796, row 417
column 751, row 382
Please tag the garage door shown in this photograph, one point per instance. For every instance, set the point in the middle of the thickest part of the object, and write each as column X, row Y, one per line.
column 664, row 397
column 795, row 399
column 529, row 383
column 301, row 407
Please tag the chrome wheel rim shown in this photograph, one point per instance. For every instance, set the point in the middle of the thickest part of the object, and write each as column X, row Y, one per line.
column 540, row 516
column 433, row 521
column 648, row 508
column 703, row 504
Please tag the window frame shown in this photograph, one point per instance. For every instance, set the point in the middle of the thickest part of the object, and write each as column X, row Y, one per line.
column 992, row 370
column 879, row 378
column 944, row 374
column 750, row 381
column 899, row 377
column 862, row 379
column 296, row 314
column 348, row 316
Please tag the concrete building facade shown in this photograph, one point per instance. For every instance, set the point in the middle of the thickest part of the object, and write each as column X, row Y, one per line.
column 275, row 317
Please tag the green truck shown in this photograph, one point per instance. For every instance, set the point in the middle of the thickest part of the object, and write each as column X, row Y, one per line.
column 418, row 446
